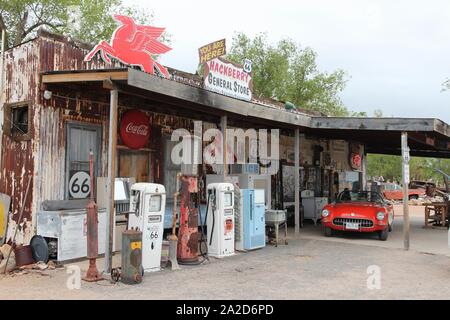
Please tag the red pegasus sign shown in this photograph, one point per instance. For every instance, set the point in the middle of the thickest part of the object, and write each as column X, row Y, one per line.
column 134, row 45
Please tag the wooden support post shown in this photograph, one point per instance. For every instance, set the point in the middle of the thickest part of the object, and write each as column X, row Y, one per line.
column 223, row 126
column 112, row 148
column 364, row 171
column 297, row 181
column 405, row 175
column 2, row 85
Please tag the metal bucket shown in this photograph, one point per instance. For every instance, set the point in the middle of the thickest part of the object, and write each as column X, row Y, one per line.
column 23, row 255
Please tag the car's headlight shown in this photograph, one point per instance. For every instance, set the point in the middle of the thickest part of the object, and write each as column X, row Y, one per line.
column 325, row 213
column 380, row 216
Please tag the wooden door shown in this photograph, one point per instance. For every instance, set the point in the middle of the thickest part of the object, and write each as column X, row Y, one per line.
column 134, row 164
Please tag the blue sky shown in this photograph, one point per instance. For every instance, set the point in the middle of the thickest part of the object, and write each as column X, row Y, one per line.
column 396, row 53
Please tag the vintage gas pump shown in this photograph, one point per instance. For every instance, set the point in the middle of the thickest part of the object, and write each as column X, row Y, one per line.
column 147, row 207
column 188, row 235
column 92, row 273
column 220, row 220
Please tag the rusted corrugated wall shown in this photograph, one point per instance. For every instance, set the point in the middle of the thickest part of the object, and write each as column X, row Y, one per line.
column 22, row 67
column 43, row 156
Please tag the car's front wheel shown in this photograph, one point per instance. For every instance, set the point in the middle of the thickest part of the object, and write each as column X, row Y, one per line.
column 383, row 235
column 328, row 232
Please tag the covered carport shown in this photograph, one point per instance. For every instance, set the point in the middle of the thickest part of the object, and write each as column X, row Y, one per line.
column 426, row 137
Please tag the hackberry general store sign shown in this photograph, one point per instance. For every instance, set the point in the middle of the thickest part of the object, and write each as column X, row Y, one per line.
column 228, row 79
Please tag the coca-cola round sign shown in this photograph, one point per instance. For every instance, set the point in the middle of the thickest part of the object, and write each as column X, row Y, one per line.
column 355, row 161
column 135, row 129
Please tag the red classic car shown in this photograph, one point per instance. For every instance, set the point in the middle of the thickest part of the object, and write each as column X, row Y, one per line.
column 393, row 191
column 363, row 211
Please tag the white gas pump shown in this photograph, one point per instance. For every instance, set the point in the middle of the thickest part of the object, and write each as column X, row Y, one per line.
column 220, row 219
column 147, row 207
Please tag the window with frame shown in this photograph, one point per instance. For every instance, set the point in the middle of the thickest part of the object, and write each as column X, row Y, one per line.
column 17, row 120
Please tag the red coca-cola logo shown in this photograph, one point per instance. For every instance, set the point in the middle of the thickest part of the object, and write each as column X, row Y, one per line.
column 355, row 160
column 135, row 129
column 141, row 130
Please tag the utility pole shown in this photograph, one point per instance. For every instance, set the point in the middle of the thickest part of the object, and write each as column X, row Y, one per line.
column 405, row 175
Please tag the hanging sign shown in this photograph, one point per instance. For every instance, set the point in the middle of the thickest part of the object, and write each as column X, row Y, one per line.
column 228, row 79
column 135, row 129
column 133, row 45
column 406, row 173
column 212, row 51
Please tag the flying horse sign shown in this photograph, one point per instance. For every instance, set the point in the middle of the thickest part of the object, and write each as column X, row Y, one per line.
column 133, row 45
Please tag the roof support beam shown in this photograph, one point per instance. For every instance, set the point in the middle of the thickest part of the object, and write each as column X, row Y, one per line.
column 84, row 77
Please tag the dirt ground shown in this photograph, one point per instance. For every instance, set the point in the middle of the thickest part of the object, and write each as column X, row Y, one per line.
column 309, row 267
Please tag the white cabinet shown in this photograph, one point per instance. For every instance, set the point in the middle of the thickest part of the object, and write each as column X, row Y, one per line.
column 312, row 207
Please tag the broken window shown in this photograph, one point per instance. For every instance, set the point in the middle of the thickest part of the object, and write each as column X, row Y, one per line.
column 17, row 120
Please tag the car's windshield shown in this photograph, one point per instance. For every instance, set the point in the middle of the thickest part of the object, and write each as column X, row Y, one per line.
column 359, row 196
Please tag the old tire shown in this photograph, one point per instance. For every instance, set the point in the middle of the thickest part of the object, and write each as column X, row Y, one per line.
column 383, row 235
column 328, row 232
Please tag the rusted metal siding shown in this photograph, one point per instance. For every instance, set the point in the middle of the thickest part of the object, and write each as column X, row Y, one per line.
column 59, row 54
column 21, row 66
column 43, row 157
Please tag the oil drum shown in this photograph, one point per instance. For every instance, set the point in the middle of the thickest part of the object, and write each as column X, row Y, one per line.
column 24, row 255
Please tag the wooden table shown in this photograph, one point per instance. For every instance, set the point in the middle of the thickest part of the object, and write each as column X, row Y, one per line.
column 436, row 214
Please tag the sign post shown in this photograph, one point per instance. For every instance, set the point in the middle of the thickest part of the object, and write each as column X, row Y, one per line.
column 405, row 167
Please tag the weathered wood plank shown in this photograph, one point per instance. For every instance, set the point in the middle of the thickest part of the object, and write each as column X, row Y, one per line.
column 84, row 77
column 391, row 124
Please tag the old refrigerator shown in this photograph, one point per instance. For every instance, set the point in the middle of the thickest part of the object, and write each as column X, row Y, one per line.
column 312, row 206
column 68, row 228
column 250, row 222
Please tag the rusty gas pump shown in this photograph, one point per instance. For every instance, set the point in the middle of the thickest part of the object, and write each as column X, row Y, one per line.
column 188, row 235
column 92, row 273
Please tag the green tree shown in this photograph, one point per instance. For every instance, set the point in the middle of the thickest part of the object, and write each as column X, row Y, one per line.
column 390, row 167
column 387, row 166
column 84, row 20
column 287, row 72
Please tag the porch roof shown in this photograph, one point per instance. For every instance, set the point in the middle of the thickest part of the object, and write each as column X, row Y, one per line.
column 427, row 137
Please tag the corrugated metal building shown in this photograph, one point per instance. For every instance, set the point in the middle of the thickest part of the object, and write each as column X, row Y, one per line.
column 49, row 136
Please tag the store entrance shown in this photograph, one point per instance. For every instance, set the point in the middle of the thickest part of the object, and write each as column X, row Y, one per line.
column 134, row 164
